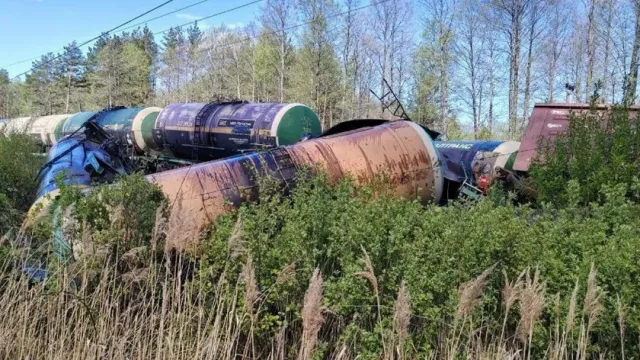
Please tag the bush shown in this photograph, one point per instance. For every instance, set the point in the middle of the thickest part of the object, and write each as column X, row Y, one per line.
column 335, row 229
column 120, row 214
column 19, row 166
column 600, row 149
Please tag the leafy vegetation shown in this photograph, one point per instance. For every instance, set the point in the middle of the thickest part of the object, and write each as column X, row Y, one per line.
column 18, row 178
column 603, row 150
column 337, row 271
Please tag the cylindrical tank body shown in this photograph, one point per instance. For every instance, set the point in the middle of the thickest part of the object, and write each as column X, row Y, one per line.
column 142, row 128
column 72, row 124
column 71, row 164
column 17, row 126
column 42, row 128
column 459, row 157
column 215, row 130
column 401, row 151
column 80, row 161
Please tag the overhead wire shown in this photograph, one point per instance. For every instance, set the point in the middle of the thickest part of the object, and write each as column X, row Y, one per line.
column 122, row 29
column 165, row 15
column 101, row 35
column 210, row 16
column 144, row 22
column 275, row 32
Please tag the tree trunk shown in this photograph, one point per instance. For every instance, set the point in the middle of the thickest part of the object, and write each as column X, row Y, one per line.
column 66, row 106
column 282, row 64
column 474, row 100
column 632, row 79
column 527, row 80
column 607, row 48
column 492, row 86
column 444, row 88
column 591, row 47
column 514, row 64
column 552, row 78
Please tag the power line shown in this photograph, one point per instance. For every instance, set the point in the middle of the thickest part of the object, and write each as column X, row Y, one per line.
column 210, row 16
column 164, row 15
column 275, row 32
column 103, row 34
column 144, row 22
column 123, row 29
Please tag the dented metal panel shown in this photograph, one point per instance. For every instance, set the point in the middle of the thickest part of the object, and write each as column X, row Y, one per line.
column 458, row 156
column 118, row 123
column 401, row 151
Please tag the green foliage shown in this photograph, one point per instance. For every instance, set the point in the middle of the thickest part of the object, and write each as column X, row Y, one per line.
column 431, row 248
column 19, row 166
column 120, row 213
column 600, row 149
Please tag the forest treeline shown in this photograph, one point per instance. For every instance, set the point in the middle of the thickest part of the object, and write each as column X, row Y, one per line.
column 458, row 65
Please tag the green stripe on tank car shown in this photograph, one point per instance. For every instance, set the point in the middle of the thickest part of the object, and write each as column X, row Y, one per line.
column 58, row 131
column 510, row 161
column 297, row 122
column 147, row 126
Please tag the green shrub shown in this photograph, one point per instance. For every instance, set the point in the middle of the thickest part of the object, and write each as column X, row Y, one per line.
column 19, row 166
column 600, row 148
column 431, row 248
column 120, row 213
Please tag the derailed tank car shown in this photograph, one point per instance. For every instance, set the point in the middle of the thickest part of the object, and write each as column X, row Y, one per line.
column 120, row 123
column 73, row 124
column 401, row 150
column 216, row 130
column 83, row 159
column 470, row 167
column 17, row 126
column 46, row 126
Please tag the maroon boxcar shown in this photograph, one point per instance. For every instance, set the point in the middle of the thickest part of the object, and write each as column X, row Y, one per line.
column 547, row 121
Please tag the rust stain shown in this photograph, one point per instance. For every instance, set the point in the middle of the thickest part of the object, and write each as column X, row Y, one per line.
column 396, row 150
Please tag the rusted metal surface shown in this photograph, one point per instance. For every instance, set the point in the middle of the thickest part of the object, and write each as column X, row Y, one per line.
column 548, row 121
column 400, row 150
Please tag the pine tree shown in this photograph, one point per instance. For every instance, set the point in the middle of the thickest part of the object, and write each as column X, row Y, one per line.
column 317, row 71
column 5, row 81
column 194, row 58
column 42, row 82
column 173, row 60
column 134, row 86
column 71, row 74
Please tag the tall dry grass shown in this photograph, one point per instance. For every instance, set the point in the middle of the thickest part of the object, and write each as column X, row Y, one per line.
column 150, row 311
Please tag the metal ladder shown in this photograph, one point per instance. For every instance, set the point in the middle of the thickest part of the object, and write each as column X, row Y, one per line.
column 467, row 189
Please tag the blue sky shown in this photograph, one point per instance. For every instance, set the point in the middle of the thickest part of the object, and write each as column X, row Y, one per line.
column 31, row 28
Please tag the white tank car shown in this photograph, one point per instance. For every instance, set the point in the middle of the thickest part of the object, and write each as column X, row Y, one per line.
column 17, row 126
column 43, row 128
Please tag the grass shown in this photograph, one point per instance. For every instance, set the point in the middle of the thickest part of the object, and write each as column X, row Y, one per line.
column 151, row 312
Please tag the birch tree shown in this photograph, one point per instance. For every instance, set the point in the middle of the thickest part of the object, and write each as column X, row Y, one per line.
column 439, row 35
column 470, row 51
column 591, row 44
column 535, row 30
column 554, row 43
column 632, row 77
column 510, row 14
column 277, row 18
